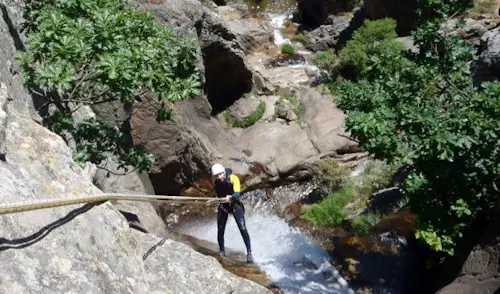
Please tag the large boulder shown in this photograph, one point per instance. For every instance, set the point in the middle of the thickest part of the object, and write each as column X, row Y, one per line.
column 487, row 66
column 324, row 124
column 335, row 32
column 251, row 33
column 481, row 271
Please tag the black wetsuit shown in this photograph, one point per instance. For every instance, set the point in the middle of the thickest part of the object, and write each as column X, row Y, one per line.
column 224, row 188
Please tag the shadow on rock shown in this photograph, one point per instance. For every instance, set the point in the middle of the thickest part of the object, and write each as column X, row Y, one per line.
column 20, row 243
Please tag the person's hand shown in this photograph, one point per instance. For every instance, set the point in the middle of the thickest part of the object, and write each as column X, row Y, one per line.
column 228, row 198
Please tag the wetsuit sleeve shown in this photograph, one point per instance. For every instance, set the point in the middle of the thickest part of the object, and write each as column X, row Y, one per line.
column 236, row 186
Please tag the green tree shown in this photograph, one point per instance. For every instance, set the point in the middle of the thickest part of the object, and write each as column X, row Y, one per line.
column 91, row 52
column 423, row 111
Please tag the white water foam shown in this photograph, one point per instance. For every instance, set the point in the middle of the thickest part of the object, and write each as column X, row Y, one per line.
column 278, row 22
column 289, row 258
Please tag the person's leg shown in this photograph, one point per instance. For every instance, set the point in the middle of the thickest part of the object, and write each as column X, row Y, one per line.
column 221, row 227
column 239, row 216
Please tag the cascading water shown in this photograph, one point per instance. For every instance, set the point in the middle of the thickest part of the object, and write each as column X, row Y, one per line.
column 277, row 22
column 289, row 258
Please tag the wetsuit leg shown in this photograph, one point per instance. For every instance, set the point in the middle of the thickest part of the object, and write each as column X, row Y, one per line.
column 221, row 227
column 239, row 216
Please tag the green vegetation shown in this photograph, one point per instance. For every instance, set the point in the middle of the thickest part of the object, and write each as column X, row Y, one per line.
column 422, row 111
column 328, row 62
column 301, row 38
column 370, row 40
column 331, row 176
column 339, row 190
column 297, row 106
column 287, row 49
column 249, row 121
column 330, row 211
column 363, row 223
column 92, row 52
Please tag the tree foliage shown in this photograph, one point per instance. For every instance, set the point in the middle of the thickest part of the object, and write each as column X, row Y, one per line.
column 422, row 110
column 94, row 51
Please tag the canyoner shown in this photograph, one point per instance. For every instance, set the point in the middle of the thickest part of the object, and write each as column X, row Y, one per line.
column 227, row 186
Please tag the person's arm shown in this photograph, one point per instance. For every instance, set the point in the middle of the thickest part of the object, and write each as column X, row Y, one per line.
column 236, row 186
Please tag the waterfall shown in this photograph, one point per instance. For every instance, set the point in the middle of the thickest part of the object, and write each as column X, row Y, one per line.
column 287, row 256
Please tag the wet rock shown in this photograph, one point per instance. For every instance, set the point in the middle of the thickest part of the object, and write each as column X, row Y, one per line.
column 379, row 262
column 285, row 59
column 385, row 200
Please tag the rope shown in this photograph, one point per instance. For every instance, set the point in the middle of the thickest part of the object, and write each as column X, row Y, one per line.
column 6, row 208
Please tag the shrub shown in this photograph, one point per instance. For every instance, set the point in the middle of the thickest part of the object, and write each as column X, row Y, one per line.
column 331, row 176
column 371, row 38
column 287, row 49
column 301, row 38
column 363, row 223
column 330, row 211
column 92, row 52
column 329, row 63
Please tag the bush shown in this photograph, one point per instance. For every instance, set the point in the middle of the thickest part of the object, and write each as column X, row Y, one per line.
column 363, row 223
column 299, row 38
column 371, row 38
column 330, row 211
column 329, row 63
column 92, row 52
column 331, row 176
column 287, row 49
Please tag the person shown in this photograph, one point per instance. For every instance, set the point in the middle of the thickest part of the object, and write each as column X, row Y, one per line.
column 227, row 185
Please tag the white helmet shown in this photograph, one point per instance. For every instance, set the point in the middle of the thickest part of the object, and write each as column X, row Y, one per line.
column 217, row 169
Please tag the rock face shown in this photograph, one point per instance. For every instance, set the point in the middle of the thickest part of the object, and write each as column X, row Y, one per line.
column 77, row 248
column 228, row 76
column 250, row 33
column 182, row 155
column 481, row 271
column 186, row 270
